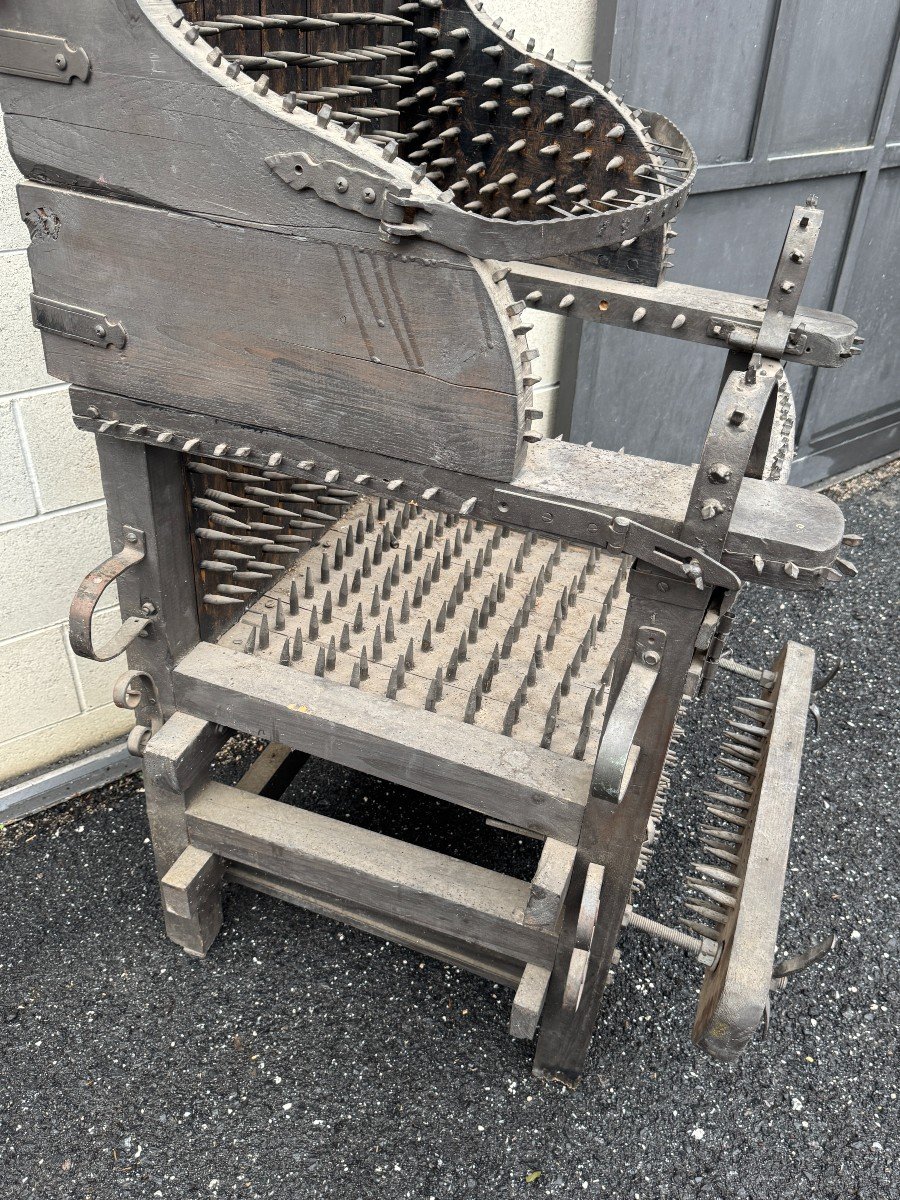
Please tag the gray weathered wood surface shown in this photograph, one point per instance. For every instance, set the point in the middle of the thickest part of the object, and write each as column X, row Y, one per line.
column 370, row 348
column 772, row 520
column 481, row 770
column 403, row 880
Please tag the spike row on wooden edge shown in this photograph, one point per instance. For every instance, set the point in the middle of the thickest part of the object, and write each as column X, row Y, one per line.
column 715, row 883
column 657, row 813
column 509, row 631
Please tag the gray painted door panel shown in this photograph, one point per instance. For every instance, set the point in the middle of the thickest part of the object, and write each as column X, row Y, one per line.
column 802, row 91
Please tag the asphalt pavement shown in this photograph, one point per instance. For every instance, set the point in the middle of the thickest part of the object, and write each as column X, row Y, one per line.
column 302, row 1059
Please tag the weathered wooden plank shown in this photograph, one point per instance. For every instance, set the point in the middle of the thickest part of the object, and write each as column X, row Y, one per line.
column 529, row 1002
column 357, row 344
column 477, row 769
column 735, row 991
column 192, row 899
column 273, row 771
column 397, row 878
column 173, row 761
column 550, row 883
column 676, row 310
column 771, row 520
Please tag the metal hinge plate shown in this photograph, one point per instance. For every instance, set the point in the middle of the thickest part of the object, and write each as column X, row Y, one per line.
column 80, row 324
column 40, row 56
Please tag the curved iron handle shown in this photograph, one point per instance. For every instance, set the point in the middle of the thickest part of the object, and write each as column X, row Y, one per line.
column 618, row 737
column 88, row 595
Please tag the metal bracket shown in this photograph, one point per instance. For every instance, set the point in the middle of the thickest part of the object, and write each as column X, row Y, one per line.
column 340, row 183
column 671, row 555
column 88, row 595
column 40, row 56
column 745, row 337
column 609, row 778
column 79, row 324
column 133, row 690
column 789, row 278
column 579, row 522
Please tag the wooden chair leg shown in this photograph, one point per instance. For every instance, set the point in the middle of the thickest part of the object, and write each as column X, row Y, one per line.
column 612, row 835
column 190, row 879
column 192, row 899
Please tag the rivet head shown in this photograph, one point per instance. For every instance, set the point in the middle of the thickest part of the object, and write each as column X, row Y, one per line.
column 369, row 195
column 787, row 287
column 130, row 537
column 719, row 473
column 710, row 509
column 61, row 62
column 100, row 331
column 662, row 586
column 341, row 185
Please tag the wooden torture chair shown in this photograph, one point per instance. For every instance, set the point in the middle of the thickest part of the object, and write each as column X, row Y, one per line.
column 282, row 255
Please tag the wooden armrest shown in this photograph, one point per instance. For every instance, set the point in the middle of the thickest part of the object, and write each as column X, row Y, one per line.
column 772, row 521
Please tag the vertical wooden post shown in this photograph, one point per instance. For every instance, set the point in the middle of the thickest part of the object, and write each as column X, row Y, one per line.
column 190, row 881
column 612, row 834
column 145, row 488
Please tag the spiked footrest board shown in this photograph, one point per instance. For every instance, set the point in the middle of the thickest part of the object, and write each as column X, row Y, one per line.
column 738, row 899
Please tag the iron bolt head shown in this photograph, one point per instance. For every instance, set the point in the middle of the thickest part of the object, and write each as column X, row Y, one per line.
column 61, row 62
column 130, row 537
column 341, row 185
column 100, row 330
column 737, row 416
column 787, row 287
column 369, row 195
column 719, row 473
column 662, row 586
column 710, row 509
column 650, row 658
column 148, row 608
column 798, row 256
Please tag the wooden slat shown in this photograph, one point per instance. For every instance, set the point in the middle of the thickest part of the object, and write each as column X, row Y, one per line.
column 397, row 878
column 476, row 768
column 736, row 990
column 477, row 959
column 529, row 1002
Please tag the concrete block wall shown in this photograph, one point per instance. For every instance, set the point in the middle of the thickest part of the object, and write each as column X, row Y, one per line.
column 52, row 517
column 52, row 531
